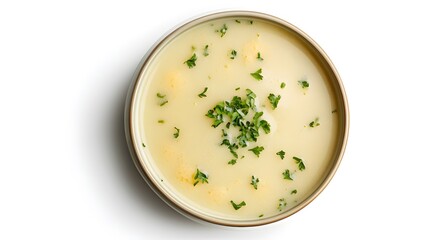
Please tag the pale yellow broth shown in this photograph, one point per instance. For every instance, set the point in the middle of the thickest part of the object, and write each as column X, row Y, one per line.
column 174, row 161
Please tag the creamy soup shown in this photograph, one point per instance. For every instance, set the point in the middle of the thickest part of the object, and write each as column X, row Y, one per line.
column 237, row 119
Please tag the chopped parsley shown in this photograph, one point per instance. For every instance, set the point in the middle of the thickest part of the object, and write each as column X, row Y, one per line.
column 257, row 150
column 191, row 61
column 233, row 54
column 259, row 57
column 274, row 100
column 281, row 154
column 162, row 98
column 238, row 206
column 282, row 85
column 261, row 215
column 287, row 175
column 232, row 161
column 257, row 74
column 237, row 89
column 282, row 204
column 314, row 123
column 176, row 134
column 304, row 84
column 294, row 191
column 200, row 177
column 223, row 30
column 161, row 121
column 203, row 94
column 300, row 163
column 239, row 113
column 206, row 51
column 254, row 182
column 237, row 21
column 143, row 144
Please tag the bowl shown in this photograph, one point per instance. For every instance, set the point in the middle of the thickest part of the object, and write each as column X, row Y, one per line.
column 237, row 118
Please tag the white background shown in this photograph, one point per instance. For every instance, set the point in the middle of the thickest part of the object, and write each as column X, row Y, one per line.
column 65, row 169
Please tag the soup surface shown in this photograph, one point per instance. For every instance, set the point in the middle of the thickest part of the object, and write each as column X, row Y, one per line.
column 237, row 119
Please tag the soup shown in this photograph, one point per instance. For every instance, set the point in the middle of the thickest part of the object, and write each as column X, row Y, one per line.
column 237, row 119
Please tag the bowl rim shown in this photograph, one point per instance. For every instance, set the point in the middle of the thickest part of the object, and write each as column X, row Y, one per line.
column 334, row 79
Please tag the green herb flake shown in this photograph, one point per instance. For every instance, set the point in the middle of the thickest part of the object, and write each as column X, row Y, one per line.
column 232, row 162
column 274, row 100
column 287, row 175
column 261, row 215
column 300, row 163
column 304, row 84
column 294, row 191
column 176, row 134
column 254, row 182
column 162, row 98
column 282, row 85
column 257, row 150
column 237, row 21
column 223, row 30
column 257, row 74
column 206, row 51
column 200, row 177
column 237, row 206
column 259, row 57
column 281, row 154
column 314, row 123
column 233, row 54
column 282, row 204
column 143, row 145
column 191, row 62
column 203, row 94
column 161, row 121
column 251, row 22
column 237, row 89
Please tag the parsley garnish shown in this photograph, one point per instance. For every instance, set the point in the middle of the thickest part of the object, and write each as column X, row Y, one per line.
column 281, row 154
column 261, row 215
column 203, row 94
column 143, row 144
column 254, row 182
column 282, row 85
column 232, row 161
column 282, row 204
column 161, row 121
column 222, row 30
column 233, row 54
column 237, row 89
column 300, row 163
column 257, row 150
column 206, row 51
column 237, row 113
column 237, row 21
column 294, row 191
column 200, row 177
column 176, row 134
column 257, row 75
column 304, row 84
column 314, row 123
column 274, row 100
column 191, row 61
column 259, row 57
column 287, row 175
column 237, row 206
column 163, row 100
